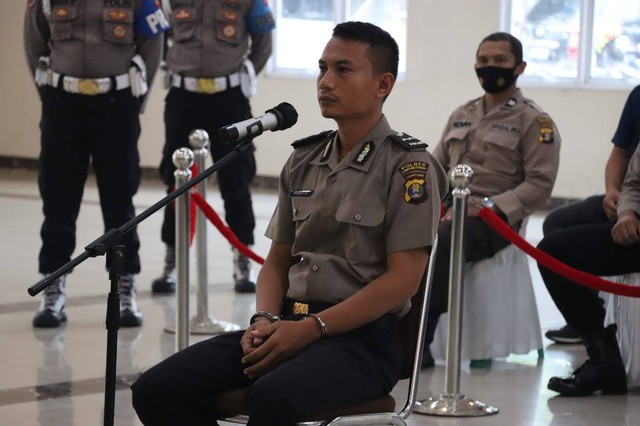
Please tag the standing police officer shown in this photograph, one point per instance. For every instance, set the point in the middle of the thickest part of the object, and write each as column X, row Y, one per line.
column 513, row 148
column 92, row 61
column 216, row 49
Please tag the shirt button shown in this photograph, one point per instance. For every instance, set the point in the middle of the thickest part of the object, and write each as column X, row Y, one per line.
column 333, row 178
column 295, row 211
column 357, row 216
column 314, row 268
column 325, row 215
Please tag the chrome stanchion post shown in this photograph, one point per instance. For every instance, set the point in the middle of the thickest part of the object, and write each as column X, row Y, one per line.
column 202, row 323
column 452, row 402
column 183, row 160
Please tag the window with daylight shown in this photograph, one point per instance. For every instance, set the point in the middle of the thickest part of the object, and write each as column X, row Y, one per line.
column 586, row 42
column 303, row 27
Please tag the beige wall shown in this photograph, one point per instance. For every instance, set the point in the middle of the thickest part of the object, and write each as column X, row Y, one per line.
column 442, row 40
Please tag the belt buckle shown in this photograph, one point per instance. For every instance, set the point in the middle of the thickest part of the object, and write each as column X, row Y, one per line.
column 88, row 87
column 300, row 308
column 207, row 85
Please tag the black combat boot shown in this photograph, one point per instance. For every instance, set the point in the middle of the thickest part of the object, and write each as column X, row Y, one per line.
column 166, row 283
column 603, row 371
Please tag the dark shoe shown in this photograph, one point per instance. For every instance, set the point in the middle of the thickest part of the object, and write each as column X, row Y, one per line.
column 242, row 276
column 566, row 335
column 427, row 359
column 163, row 285
column 480, row 363
column 166, row 284
column 51, row 314
column 130, row 316
column 604, row 370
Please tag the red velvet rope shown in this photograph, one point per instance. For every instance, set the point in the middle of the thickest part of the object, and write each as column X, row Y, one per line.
column 213, row 217
column 555, row 265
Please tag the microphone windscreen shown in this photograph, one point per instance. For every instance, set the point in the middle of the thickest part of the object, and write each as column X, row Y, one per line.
column 287, row 115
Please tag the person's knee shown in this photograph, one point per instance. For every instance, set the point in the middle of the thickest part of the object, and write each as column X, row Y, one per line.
column 146, row 392
column 269, row 404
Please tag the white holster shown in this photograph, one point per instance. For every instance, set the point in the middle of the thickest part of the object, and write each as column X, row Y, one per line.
column 138, row 76
column 248, row 80
column 42, row 71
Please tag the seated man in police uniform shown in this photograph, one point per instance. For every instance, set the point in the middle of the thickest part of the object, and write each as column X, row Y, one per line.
column 356, row 216
column 513, row 148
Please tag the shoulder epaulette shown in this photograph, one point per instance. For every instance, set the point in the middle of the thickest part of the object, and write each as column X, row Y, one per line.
column 533, row 105
column 313, row 139
column 408, row 142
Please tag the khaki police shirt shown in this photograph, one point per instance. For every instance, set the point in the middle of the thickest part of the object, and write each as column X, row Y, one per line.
column 630, row 195
column 210, row 38
column 343, row 218
column 88, row 40
column 513, row 151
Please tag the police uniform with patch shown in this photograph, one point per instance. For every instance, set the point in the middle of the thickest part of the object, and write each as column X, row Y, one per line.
column 343, row 218
column 92, row 61
column 513, row 150
column 216, row 49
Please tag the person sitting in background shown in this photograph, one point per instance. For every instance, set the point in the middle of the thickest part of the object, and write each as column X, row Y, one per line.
column 605, row 248
column 513, row 148
column 599, row 209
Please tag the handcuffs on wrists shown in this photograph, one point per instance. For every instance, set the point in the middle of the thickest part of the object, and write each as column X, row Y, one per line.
column 263, row 314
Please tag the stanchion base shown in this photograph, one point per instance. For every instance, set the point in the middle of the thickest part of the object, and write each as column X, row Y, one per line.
column 207, row 327
column 453, row 405
column 211, row 326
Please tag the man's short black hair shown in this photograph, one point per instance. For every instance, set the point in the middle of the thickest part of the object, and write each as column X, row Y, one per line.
column 516, row 46
column 383, row 49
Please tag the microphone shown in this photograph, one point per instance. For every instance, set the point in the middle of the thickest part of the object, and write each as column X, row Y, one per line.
column 280, row 117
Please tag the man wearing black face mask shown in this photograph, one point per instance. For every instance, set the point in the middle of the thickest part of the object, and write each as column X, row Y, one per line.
column 513, row 148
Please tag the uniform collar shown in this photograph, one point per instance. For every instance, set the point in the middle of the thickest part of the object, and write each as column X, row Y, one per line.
column 514, row 101
column 361, row 156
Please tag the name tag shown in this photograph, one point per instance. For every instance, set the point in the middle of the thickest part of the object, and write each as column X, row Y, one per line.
column 300, row 192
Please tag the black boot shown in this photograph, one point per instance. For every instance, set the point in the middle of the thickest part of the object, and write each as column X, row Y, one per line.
column 603, row 371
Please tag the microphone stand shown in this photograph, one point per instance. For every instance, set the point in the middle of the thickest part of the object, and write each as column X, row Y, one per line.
column 109, row 244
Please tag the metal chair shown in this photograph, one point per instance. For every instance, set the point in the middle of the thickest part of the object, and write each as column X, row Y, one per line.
column 377, row 411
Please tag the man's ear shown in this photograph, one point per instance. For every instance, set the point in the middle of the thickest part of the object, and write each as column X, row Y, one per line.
column 386, row 82
column 520, row 68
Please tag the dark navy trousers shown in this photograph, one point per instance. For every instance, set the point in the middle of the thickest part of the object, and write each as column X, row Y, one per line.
column 356, row 366
column 186, row 111
column 78, row 130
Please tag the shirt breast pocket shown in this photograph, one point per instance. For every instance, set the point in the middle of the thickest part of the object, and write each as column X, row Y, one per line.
column 357, row 212
column 456, row 143
column 364, row 229
column 301, row 209
column 502, row 153
column 184, row 24
column 228, row 27
column 61, row 20
column 117, row 25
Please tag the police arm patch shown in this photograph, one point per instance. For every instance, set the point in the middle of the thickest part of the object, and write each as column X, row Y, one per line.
column 546, row 129
column 415, row 182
